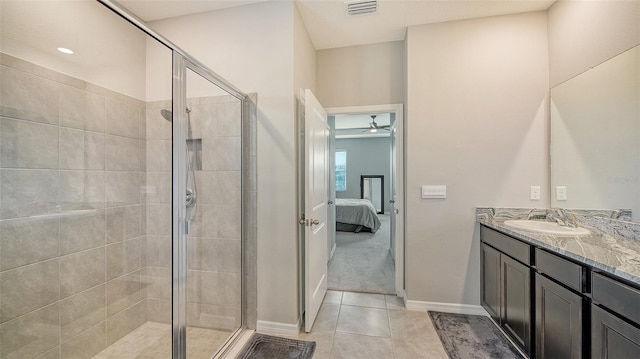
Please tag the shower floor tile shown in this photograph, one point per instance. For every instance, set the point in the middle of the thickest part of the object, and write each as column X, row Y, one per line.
column 153, row 340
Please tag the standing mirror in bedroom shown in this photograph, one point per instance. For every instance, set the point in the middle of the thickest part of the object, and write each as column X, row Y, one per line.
column 372, row 188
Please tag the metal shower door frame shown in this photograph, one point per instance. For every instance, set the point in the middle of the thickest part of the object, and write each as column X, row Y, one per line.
column 181, row 62
column 179, row 208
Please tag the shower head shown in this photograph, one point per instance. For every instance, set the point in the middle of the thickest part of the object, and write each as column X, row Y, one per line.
column 167, row 114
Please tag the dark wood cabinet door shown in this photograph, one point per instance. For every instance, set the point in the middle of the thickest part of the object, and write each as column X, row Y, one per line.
column 558, row 321
column 490, row 281
column 516, row 301
column 612, row 337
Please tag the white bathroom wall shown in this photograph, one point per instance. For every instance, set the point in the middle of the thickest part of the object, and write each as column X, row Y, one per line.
column 304, row 56
column 476, row 122
column 582, row 34
column 362, row 75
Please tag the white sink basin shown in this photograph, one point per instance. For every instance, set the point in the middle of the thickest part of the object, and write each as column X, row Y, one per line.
column 545, row 227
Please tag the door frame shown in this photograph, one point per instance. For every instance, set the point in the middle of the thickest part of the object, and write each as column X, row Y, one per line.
column 398, row 110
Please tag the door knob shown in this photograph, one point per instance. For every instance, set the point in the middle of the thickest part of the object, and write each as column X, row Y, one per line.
column 315, row 221
column 392, row 201
column 330, row 202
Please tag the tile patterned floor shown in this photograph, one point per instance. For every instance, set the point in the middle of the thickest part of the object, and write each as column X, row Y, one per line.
column 372, row 326
column 349, row 325
column 153, row 341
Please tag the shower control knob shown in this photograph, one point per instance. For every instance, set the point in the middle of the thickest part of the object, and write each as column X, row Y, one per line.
column 315, row 221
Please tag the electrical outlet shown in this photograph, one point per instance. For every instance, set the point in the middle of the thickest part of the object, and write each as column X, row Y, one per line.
column 561, row 193
column 535, row 193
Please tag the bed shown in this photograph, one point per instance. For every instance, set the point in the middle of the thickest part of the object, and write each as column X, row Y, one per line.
column 356, row 215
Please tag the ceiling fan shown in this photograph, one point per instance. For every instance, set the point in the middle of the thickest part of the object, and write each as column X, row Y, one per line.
column 374, row 127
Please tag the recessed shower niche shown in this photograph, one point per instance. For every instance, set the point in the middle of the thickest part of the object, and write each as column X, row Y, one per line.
column 194, row 153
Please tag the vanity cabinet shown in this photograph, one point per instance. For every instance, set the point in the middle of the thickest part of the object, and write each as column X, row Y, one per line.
column 516, row 301
column 556, row 307
column 490, row 288
column 611, row 336
column 560, row 285
column 558, row 313
column 506, row 284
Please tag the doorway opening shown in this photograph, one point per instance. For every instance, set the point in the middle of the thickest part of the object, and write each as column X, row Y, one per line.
column 366, row 245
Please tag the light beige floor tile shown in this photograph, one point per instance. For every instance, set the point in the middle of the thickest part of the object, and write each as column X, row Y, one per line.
column 394, row 302
column 365, row 321
column 333, row 296
column 153, row 340
column 409, row 324
column 349, row 346
column 327, row 318
column 418, row 349
column 324, row 343
column 364, row 300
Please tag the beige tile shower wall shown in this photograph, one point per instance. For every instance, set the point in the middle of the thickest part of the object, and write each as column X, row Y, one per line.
column 157, row 193
column 213, row 245
column 72, row 159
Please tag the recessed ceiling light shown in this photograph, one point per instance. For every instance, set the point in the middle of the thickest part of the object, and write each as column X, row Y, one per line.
column 64, row 50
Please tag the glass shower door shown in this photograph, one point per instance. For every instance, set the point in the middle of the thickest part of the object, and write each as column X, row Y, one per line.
column 207, row 190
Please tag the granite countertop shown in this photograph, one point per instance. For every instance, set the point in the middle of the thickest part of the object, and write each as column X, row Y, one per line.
column 611, row 254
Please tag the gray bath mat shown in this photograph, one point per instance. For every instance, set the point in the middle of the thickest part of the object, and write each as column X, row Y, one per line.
column 472, row 337
column 267, row 347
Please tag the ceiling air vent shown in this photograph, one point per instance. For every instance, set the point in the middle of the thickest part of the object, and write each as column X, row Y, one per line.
column 362, row 7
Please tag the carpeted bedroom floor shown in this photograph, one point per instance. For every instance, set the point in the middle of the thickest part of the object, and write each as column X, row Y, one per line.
column 362, row 262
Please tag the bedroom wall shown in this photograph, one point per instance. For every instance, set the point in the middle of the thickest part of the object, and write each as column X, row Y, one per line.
column 476, row 122
column 361, row 75
column 365, row 156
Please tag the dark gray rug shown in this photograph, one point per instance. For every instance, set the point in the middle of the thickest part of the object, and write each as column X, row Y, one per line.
column 267, row 347
column 472, row 337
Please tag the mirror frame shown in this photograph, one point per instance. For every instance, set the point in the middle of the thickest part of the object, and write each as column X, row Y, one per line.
column 362, row 178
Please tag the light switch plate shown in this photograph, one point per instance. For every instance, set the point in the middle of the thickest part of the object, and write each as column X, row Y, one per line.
column 439, row 191
column 561, row 193
column 535, row 193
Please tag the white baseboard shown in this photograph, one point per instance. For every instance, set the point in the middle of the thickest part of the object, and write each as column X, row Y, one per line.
column 333, row 251
column 266, row 327
column 446, row 307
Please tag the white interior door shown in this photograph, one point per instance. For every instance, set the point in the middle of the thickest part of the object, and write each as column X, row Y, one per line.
column 397, row 199
column 316, row 197
column 393, row 193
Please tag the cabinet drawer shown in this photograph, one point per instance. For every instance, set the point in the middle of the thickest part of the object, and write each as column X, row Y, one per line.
column 508, row 245
column 616, row 296
column 560, row 269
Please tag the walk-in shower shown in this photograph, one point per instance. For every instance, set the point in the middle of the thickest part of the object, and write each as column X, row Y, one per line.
column 123, row 199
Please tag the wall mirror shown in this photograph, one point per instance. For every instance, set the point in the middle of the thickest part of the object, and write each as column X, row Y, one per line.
column 372, row 188
column 595, row 137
